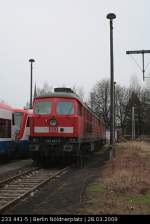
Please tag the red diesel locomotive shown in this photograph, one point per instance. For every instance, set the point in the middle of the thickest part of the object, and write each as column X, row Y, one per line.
column 62, row 126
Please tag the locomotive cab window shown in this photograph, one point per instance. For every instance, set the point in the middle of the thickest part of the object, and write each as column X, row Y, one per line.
column 65, row 108
column 43, row 107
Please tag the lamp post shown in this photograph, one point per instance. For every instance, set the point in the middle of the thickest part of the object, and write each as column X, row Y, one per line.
column 111, row 16
column 114, row 111
column 31, row 61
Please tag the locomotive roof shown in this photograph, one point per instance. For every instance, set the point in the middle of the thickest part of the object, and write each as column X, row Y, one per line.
column 67, row 95
column 62, row 95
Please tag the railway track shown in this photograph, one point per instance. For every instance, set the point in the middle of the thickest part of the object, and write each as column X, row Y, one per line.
column 14, row 168
column 15, row 188
column 4, row 180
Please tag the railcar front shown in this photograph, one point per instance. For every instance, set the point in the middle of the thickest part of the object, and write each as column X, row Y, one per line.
column 22, row 131
column 7, row 145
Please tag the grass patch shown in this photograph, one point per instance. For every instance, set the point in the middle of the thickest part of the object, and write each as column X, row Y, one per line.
column 96, row 188
column 124, row 185
column 102, row 150
column 141, row 199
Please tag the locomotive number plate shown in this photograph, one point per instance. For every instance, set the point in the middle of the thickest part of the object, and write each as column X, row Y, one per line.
column 53, row 129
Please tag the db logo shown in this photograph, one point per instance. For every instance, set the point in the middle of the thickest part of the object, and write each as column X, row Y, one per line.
column 53, row 122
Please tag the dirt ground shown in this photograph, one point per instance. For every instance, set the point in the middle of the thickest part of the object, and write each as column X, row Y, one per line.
column 65, row 194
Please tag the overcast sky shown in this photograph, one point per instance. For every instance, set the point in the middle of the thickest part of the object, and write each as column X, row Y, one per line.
column 69, row 39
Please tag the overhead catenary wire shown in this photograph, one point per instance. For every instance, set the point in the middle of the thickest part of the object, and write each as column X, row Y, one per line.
column 136, row 62
column 147, row 64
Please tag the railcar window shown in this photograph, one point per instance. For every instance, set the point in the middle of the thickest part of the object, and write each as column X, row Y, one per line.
column 5, row 128
column 43, row 107
column 17, row 120
column 13, row 119
column 65, row 108
column 28, row 123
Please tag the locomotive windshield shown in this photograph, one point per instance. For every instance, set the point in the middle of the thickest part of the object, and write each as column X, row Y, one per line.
column 43, row 107
column 65, row 108
column 17, row 120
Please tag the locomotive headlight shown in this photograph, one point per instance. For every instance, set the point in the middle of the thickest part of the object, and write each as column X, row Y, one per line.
column 53, row 122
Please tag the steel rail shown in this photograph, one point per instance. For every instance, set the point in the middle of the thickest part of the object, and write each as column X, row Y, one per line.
column 9, row 179
column 19, row 188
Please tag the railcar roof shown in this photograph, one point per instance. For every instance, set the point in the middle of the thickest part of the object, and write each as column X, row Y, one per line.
column 19, row 110
column 5, row 106
column 27, row 111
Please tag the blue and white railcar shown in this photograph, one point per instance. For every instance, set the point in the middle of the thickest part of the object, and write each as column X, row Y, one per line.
column 22, row 130
column 7, row 132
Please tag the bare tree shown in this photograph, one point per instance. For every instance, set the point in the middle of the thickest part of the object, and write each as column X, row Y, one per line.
column 135, row 85
column 122, row 96
column 79, row 91
column 45, row 90
column 125, row 99
column 100, row 100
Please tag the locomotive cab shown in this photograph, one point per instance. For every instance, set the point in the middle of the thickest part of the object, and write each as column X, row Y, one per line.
column 54, row 125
